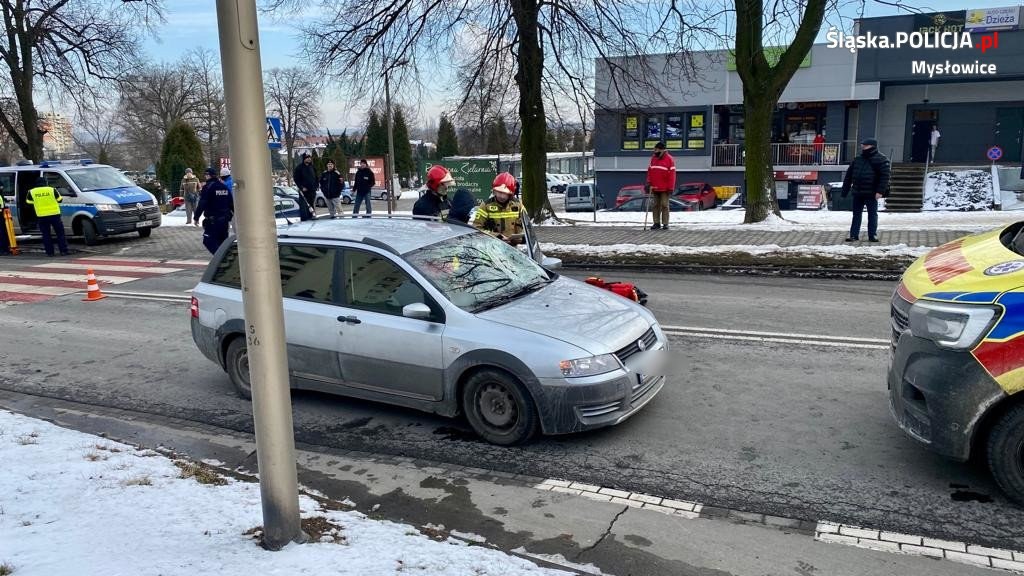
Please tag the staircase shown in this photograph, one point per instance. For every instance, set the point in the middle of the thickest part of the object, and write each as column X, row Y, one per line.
column 907, row 188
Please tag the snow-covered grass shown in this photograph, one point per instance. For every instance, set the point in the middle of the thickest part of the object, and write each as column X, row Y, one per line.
column 72, row 503
column 958, row 190
column 176, row 218
column 838, row 251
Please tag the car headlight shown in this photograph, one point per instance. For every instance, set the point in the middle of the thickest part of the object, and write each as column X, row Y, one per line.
column 955, row 326
column 589, row 366
column 107, row 207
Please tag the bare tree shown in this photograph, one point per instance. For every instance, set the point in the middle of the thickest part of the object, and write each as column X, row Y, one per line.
column 65, row 46
column 209, row 114
column 151, row 102
column 365, row 40
column 96, row 132
column 293, row 95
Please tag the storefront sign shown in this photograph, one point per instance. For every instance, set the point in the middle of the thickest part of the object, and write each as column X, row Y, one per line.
column 473, row 175
column 782, row 190
column 798, row 176
column 674, row 132
column 810, row 197
column 374, row 163
column 653, row 132
column 631, row 133
column 986, row 19
column 940, row 22
column 771, row 53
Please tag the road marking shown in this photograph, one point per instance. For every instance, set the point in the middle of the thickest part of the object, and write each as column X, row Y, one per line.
column 157, row 296
column 776, row 334
column 765, row 339
column 111, row 268
column 64, row 277
column 19, row 288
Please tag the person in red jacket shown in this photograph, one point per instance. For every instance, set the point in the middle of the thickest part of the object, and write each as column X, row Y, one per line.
column 661, row 181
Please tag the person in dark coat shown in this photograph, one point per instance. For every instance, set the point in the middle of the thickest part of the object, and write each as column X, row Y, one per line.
column 332, row 185
column 216, row 203
column 462, row 203
column 868, row 179
column 435, row 201
column 363, row 184
column 306, row 181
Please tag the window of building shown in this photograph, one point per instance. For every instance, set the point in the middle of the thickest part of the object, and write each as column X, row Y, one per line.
column 653, row 131
column 695, row 133
column 631, row 133
column 674, row 131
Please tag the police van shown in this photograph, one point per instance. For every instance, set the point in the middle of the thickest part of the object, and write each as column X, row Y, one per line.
column 98, row 200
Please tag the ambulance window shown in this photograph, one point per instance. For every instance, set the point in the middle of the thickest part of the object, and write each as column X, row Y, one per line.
column 57, row 180
column 7, row 184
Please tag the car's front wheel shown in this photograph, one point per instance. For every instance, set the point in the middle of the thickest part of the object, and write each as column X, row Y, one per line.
column 236, row 362
column 499, row 408
column 1006, row 453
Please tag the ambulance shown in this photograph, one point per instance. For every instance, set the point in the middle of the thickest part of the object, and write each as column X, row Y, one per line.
column 98, row 200
column 956, row 373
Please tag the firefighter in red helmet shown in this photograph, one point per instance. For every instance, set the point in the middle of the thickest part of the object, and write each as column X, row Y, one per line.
column 501, row 215
column 435, row 201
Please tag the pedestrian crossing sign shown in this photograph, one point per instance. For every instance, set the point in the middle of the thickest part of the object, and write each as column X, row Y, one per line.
column 274, row 133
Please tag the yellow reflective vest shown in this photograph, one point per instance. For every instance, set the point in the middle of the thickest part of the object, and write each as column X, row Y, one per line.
column 45, row 200
column 496, row 219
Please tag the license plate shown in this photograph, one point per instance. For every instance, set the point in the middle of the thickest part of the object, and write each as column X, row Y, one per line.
column 144, row 224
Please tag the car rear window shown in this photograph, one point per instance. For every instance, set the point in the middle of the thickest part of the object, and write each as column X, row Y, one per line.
column 307, row 272
column 573, row 192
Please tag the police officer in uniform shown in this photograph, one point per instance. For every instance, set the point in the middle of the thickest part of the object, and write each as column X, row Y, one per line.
column 215, row 202
column 45, row 200
column 435, row 201
column 501, row 215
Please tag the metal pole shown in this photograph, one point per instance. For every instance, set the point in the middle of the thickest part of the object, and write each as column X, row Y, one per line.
column 261, row 272
column 391, row 142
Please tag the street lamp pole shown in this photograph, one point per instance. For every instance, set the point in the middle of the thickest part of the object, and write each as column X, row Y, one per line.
column 391, row 141
column 261, row 272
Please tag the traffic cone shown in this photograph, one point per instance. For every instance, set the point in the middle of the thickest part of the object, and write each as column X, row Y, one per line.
column 93, row 288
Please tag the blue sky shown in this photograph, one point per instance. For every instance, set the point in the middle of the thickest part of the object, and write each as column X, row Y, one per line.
column 193, row 23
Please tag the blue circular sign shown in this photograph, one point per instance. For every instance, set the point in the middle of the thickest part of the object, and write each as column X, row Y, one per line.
column 1005, row 268
column 994, row 153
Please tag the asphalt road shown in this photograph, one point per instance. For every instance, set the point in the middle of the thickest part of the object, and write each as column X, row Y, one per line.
column 790, row 429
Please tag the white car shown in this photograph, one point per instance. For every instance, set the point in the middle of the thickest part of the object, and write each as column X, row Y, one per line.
column 381, row 193
column 555, row 184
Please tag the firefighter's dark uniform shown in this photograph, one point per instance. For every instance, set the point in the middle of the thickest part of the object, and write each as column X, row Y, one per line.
column 498, row 219
column 215, row 202
column 45, row 200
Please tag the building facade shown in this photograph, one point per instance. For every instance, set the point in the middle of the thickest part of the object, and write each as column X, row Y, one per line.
column 845, row 95
column 58, row 139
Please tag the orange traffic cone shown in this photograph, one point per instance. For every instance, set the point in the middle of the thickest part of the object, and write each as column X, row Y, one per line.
column 93, row 288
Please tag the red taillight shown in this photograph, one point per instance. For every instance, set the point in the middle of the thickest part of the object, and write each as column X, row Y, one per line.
column 194, row 308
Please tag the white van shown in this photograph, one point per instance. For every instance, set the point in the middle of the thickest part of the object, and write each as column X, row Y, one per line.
column 98, row 200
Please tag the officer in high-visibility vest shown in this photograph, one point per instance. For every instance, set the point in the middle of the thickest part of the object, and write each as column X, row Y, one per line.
column 501, row 215
column 5, row 244
column 46, row 201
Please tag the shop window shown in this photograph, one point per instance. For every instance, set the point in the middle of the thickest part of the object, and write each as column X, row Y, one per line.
column 695, row 132
column 631, row 133
column 652, row 131
column 674, row 131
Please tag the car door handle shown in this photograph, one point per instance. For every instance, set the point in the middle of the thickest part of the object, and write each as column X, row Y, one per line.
column 349, row 320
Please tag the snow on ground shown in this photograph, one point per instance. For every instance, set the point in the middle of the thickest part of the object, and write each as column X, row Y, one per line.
column 958, row 190
column 805, row 220
column 837, row 251
column 176, row 218
column 73, row 503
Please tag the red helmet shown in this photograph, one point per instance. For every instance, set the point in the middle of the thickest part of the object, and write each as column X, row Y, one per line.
column 505, row 183
column 438, row 175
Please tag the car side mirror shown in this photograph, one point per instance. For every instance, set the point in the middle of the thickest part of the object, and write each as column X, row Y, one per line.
column 552, row 263
column 417, row 310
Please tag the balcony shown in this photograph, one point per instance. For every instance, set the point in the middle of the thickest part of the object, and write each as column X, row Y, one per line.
column 829, row 154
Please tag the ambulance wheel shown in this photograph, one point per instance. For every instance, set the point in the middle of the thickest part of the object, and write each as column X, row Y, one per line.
column 499, row 408
column 1006, row 453
column 236, row 362
column 92, row 237
column 145, row 232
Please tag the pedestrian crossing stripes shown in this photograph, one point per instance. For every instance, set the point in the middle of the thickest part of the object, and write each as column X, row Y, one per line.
column 39, row 282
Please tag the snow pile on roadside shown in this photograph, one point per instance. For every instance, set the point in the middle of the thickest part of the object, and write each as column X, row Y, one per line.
column 73, row 501
column 965, row 190
column 836, row 251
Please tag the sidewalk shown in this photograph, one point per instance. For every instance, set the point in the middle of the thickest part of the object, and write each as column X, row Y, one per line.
column 553, row 523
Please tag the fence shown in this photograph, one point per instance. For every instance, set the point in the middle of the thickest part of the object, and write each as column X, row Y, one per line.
column 789, row 154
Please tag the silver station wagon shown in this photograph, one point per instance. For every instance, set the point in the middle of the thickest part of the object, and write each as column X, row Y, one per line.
column 440, row 317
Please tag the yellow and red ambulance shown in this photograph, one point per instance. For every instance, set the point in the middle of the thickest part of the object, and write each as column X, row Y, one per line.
column 957, row 369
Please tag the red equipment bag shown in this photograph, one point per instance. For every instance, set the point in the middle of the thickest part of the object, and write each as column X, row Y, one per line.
column 624, row 289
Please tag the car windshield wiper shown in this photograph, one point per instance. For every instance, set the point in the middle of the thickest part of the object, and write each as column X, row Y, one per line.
column 504, row 298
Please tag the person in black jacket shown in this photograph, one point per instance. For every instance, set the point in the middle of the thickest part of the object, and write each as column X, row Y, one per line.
column 332, row 185
column 434, row 201
column 306, row 181
column 868, row 179
column 363, row 184
column 216, row 203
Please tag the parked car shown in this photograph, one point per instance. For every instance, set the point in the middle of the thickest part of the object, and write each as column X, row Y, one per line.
column 584, row 197
column 697, row 195
column 176, row 202
column 443, row 318
column 555, row 184
column 642, row 204
column 381, row 193
column 628, row 193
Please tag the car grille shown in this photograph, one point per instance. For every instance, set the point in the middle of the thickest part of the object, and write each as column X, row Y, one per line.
column 899, row 315
column 132, row 214
column 642, row 387
column 649, row 339
column 600, row 409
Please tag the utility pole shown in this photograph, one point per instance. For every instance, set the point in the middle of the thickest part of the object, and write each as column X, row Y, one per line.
column 261, row 272
column 390, row 165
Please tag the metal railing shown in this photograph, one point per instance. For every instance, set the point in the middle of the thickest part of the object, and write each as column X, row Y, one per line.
column 789, row 154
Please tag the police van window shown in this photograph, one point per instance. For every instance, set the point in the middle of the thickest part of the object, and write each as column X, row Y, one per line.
column 375, row 283
column 7, row 184
column 307, row 272
column 56, row 180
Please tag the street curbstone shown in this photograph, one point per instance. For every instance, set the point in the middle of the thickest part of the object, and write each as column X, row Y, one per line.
column 838, row 539
column 972, row 559
column 585, row 487
column 1007, row 565
column 858, row 532
column 646, row 498
column 993, row 552
column 922, row 551
column 628, row 502
column 946, row 545
column 679, row 504
column 901, row 538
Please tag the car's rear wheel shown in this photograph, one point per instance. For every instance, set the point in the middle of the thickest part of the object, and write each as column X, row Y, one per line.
column 1006, row 453
column 499, row 408
column 236, row 363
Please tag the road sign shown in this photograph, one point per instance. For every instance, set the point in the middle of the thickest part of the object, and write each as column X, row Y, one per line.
column 274, row 133
column 994, row 153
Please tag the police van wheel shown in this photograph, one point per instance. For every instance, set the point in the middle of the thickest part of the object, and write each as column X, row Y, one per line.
column 92, row 237
column 1006, row 453
column 145, row 232
column 499, row 408
column 236, row 362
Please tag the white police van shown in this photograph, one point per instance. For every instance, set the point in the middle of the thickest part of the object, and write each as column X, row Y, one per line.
column 98, row 200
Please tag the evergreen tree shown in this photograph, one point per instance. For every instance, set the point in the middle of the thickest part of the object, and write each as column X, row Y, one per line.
column 447, row 140
column 335, row 152
column 181, row 149
column 497, row 138
column 404, row 165
column 318, row 163
column 376, row 136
